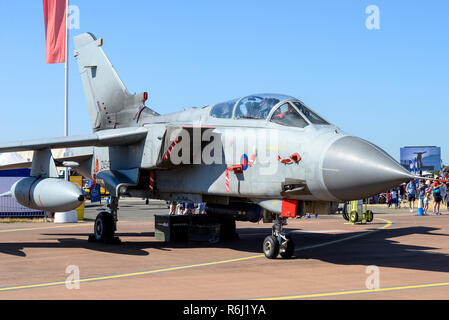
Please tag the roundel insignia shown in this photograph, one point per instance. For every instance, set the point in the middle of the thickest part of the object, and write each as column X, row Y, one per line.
column 244, row 161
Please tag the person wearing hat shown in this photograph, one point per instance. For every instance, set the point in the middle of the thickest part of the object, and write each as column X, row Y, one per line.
column 436, row 189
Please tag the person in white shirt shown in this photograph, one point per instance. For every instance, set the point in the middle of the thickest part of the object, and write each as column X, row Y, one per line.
column 394, row 198
column 202, row 208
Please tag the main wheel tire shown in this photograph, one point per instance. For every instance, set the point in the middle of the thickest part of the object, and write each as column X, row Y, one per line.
column 369, row 216
column 287, row 252
column 104, row 227
column 353, row 216
column 271, row 247
column 345, row 216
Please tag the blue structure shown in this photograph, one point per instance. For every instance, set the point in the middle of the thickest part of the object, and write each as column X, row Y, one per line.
column 416, row 159
column 95, row 195
column 9, row 208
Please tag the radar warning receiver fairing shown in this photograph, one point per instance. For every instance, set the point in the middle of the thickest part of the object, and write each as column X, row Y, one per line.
column 263, row 156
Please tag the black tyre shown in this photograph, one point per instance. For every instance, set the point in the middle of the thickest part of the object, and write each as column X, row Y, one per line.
column 369, row 216
column 345, row 216
column 353, row 216
column 289, row 249
column 104, row 227
column 271, row 247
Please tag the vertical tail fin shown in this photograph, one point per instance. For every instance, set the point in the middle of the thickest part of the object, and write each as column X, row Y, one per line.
column 109, row 102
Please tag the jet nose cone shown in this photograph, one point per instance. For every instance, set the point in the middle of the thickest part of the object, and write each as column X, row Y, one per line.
column 355, row 169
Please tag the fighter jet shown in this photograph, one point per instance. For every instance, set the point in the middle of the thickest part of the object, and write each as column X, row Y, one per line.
column 262, row 156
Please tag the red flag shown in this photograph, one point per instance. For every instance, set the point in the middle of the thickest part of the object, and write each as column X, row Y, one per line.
column 55, row 30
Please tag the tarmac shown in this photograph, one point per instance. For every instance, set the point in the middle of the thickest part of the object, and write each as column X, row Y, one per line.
column 397, row 256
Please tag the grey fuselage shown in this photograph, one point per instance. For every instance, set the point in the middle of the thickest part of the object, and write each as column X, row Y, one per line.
column 333, row 166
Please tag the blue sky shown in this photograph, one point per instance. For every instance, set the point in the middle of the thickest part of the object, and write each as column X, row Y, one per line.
column 389, row 86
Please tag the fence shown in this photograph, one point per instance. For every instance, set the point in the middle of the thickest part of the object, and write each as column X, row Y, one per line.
column 9, row 208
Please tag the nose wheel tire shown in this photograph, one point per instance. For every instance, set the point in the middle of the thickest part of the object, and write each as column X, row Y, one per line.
column 104, row 227
column 369, row 216
column 271, row 247
column 353, row 216
column 288, row 248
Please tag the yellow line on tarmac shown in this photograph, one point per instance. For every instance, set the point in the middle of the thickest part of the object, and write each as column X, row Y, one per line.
column 341, row 293
column 69, row 225
column 126, row 275
column 129, row 274
column 49, row 227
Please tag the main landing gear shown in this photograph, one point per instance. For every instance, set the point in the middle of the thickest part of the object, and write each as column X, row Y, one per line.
column 106, row 224
column 278, row 242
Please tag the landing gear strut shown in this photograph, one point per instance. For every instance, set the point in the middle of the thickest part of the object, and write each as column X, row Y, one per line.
column 106, row 224
column 278, row 242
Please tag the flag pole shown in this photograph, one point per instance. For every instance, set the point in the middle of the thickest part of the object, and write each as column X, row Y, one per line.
column 66, row 68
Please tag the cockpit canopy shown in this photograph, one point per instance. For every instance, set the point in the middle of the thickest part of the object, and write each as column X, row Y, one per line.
column 287, row 110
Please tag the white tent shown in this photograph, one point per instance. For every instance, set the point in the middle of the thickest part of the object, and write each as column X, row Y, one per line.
column 25, row 156
column 10, row 158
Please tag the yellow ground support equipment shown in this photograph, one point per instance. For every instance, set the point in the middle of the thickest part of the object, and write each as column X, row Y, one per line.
column 357, row 212
column 78, row 180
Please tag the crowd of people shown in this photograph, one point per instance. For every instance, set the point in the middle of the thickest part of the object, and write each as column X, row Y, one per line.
column 433, row 191
column 181, row 208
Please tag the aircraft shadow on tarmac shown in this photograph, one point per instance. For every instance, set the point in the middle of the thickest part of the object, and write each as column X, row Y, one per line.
column 377, row 248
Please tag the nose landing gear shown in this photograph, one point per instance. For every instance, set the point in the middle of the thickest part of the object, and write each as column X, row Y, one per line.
column 278, row 242
column 106, row 225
